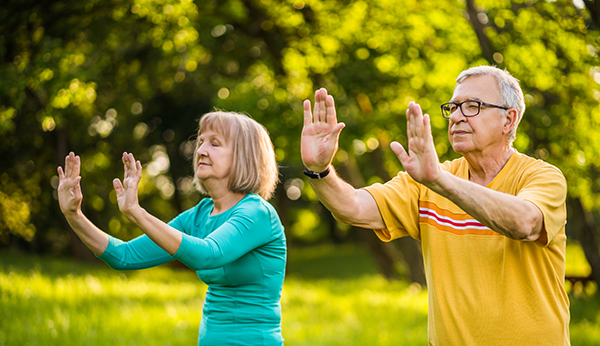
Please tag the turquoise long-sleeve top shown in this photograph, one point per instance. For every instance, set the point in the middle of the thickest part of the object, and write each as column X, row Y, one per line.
column 240, row 254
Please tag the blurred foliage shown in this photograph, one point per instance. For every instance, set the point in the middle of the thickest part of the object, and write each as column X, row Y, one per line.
column 103, row 77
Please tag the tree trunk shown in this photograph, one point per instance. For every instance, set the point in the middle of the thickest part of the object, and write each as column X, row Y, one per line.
column 585, row 229
column 593, row 7
column 487, row 50
column 409, row 249
column 281, row 204
column 381, row 252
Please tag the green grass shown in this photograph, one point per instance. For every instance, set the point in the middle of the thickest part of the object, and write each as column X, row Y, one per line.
column 332, row 296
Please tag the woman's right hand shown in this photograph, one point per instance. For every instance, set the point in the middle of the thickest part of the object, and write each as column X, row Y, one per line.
column 320, row 135
column 69, row 189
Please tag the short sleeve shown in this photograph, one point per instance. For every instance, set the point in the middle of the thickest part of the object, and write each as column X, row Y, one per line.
column 546, row 187
column 398, row 203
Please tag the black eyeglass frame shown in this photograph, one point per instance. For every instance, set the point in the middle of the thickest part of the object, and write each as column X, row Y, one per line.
column 479, row 104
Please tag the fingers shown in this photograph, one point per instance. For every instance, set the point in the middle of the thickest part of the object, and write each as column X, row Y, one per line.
column 118, row 186
column 317, row 109
column 427, row 127
column 72, row 167
column 307, row 113
column 415, row 120
column 412, row 126
column 128, row 162
column 77, row 188
column 138, row 166
column 330, row 110
column 132, row 168
column 324, row 109
column 76, row 166
column 320, row 111
column 322, row 105
column 337, row 129
column 69, row 161
column 63, row 181
column 68, row 164
column 398, row 149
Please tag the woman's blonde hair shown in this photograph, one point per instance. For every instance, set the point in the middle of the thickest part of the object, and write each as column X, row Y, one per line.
column 254, row 168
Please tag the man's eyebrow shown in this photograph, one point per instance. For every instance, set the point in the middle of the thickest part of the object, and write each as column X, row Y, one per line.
column 467, row 99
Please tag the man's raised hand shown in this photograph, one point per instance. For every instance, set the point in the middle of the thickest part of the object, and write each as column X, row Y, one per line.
column 421, row 161
column 320, row 134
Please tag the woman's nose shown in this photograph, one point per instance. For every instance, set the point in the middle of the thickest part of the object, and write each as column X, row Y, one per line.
column 201, row 149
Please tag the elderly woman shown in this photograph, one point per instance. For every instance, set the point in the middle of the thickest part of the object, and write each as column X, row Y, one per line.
column 233, row 239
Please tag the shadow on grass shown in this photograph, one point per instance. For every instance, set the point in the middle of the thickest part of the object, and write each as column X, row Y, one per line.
column 331, row 262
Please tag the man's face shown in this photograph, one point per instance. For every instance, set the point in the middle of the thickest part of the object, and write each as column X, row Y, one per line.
column 482, row 133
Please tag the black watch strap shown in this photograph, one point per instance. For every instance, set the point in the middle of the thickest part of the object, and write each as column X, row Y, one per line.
column 315, row 175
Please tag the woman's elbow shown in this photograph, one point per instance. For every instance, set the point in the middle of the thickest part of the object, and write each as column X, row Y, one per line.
column 117, row 266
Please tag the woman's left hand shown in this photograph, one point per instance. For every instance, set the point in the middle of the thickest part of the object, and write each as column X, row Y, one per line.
column 127, row 193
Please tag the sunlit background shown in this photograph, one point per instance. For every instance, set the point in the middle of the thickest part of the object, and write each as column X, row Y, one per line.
column 103, row 77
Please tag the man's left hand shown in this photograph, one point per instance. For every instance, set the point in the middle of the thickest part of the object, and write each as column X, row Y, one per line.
column 421, row 162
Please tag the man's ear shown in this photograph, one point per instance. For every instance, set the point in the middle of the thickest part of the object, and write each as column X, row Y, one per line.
column 510, row 119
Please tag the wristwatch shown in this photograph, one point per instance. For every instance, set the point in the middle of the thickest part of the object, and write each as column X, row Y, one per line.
column 315, row 175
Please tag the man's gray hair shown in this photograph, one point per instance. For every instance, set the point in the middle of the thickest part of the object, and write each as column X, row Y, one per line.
column 510, row 90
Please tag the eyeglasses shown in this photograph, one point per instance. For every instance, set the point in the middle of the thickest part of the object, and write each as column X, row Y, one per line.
column 468, row 108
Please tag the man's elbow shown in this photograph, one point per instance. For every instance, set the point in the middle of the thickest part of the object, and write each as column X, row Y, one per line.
column 362, row 222
column 341, row 218
column 530, row 229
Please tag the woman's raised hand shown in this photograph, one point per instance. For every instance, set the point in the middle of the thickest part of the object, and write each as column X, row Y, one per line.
column 127, row 192
column 320, row 133
column 69, row 189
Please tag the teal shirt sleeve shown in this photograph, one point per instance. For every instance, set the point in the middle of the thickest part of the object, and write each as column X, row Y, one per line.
column 141, row 252
column 247, row 228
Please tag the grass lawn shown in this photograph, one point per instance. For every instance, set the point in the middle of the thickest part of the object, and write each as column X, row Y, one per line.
column 332, row 296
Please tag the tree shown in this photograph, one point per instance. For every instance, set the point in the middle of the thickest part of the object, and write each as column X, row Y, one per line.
column 104, row 77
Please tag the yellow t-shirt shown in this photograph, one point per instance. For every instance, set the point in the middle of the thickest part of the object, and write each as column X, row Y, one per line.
column 484, row 288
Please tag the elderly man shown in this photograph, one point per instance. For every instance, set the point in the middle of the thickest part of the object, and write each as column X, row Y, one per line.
column 491, row 223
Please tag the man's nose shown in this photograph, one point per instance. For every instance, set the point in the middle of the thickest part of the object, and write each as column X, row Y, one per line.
column 457, row 116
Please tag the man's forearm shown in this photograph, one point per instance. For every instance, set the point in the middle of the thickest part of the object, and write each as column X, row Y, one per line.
column 506, row 214
column 349, row 205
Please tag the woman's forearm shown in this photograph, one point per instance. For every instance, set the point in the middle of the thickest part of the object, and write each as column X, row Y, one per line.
column 93, row 237
column 161, row 233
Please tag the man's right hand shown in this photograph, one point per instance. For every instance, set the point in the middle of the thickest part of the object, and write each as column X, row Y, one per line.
column 320, row 134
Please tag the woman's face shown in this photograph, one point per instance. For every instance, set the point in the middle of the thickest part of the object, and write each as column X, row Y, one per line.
column 214, row 158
